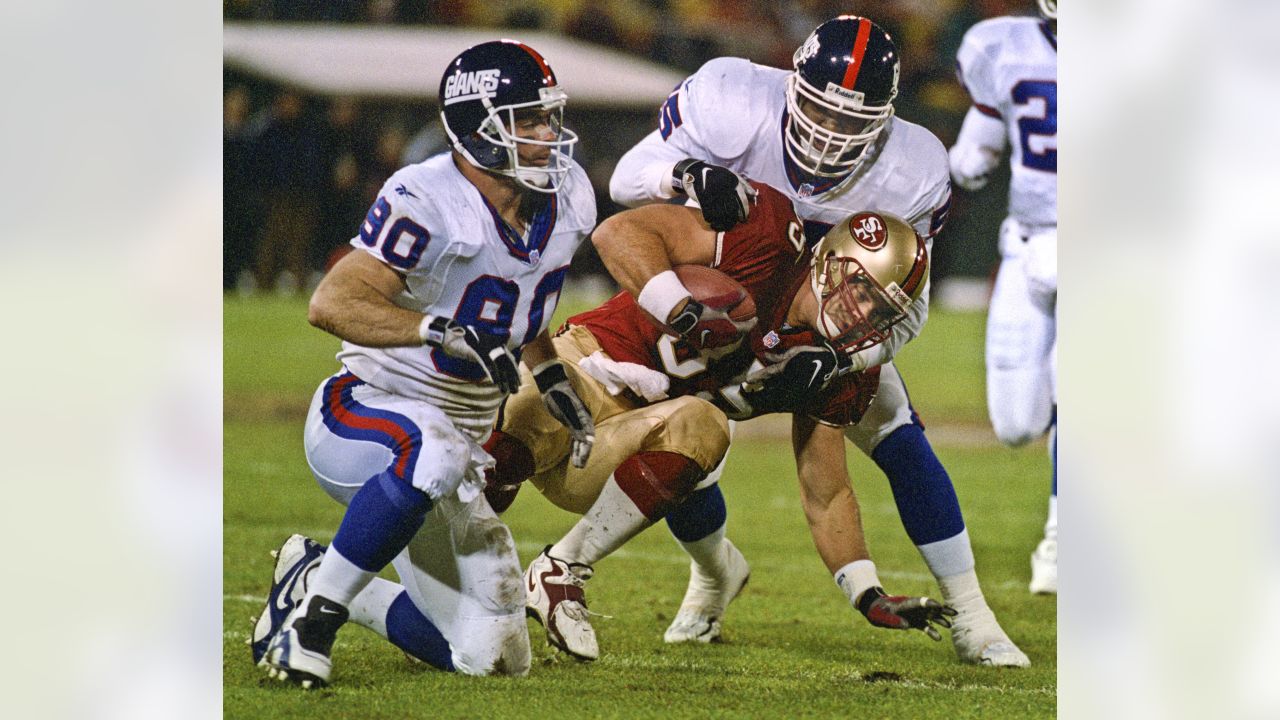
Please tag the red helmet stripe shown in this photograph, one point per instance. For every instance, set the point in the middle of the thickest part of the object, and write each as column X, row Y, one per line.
column 859, row 49
column 546, row 70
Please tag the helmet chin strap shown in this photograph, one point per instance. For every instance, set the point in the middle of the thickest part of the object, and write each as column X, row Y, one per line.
column 528, row 177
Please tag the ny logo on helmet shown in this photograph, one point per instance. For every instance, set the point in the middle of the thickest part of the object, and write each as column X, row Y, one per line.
column 470, row 85
column 869, row 230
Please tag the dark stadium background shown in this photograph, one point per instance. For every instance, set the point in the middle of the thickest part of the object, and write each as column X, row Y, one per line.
column 301, row 169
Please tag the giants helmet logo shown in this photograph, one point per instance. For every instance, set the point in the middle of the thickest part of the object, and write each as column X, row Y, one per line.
column 869, row 230
column 807, row 50
column 470, row 85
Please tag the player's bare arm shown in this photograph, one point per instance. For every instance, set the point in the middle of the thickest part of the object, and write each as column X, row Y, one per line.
column 354, row 302
column 826, row 493
column 836, row 525
column 641, row 246
column 637, row 244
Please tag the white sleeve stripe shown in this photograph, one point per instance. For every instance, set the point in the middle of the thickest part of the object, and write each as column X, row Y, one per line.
column 719, row 249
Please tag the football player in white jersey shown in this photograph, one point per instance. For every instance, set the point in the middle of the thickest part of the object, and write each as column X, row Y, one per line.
column 457, row 269
column 826, row 136
column 1009, row 65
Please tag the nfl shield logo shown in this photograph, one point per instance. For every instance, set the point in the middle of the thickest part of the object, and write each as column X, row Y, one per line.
column 534, row 256
column 805, row 190
column 771, row 339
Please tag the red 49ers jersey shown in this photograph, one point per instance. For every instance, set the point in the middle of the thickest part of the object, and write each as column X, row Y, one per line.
column 767, row 256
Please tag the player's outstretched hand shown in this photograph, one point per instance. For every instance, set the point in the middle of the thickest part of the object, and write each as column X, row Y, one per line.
column 565, row 405
column 725, row 198
column 899, row 612
column 467, row 343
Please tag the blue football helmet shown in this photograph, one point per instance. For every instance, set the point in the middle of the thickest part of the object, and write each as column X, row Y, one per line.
column 481, row 93
column 840, row 97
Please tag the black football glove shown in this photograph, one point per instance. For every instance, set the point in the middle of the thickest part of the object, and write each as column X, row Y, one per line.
column 467, row 343
column 565, row 405
column 899, row 612
column 793, row 378
column 724, row 197
column 788, row 384
column 708, row 327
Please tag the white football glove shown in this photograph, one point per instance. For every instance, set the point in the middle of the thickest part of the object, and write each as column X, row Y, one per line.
column 972, row 165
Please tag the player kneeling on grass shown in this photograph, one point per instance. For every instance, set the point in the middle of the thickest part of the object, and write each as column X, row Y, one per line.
column 661, row 396
column 455, row 272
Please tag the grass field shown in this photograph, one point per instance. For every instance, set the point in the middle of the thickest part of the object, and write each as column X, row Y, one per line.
column 794, row 646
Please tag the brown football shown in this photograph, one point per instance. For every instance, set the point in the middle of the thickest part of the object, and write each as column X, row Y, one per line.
column 716, row 290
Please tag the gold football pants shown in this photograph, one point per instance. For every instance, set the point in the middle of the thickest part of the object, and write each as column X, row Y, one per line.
column 687, row 425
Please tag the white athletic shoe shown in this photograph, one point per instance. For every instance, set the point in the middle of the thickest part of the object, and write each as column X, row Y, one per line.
column 301, row 651
column 707, row 597
column 556, row 600
column 295, row 560
column 1044, row 567
column 979, row 639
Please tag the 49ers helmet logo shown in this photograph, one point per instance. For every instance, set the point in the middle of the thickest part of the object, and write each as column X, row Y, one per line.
column 869, row 230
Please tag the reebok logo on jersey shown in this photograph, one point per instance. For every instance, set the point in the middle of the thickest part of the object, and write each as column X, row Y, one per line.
column 470, row 85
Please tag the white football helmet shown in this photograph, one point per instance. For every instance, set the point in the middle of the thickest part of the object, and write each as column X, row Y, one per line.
column 840, row 97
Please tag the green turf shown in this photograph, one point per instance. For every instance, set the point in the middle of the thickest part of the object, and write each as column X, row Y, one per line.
column 794, row 647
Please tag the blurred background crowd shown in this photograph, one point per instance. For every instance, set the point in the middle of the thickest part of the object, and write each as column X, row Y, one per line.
column 300, row 170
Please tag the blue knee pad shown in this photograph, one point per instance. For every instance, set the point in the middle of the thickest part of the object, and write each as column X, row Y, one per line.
column 702, row 513
column 922, row 489
column 381, row 519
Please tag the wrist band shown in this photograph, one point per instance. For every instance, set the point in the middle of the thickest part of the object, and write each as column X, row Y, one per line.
column 427, row 333
column 856, row 578
column 677, row 175
column 661, row 294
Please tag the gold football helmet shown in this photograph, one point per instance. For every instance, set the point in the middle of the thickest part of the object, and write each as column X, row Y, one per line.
column 866, row 273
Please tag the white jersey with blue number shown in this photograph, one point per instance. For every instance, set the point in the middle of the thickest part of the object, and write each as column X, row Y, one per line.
column 1010, row 67
column 460, row 260
column 731, row 112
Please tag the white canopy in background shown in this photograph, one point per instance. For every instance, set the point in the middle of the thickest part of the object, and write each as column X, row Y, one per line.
column 399, row 62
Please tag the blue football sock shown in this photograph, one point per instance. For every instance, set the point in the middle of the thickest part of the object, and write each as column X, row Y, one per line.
column 701, row 514
column 381, row 519
column 412, row 632
column 922, row 489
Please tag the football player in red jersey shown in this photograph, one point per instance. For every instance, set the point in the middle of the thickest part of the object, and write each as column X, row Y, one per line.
column 661, row 396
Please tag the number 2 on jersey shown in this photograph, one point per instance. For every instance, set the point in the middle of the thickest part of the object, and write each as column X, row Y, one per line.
column 1045, row 125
